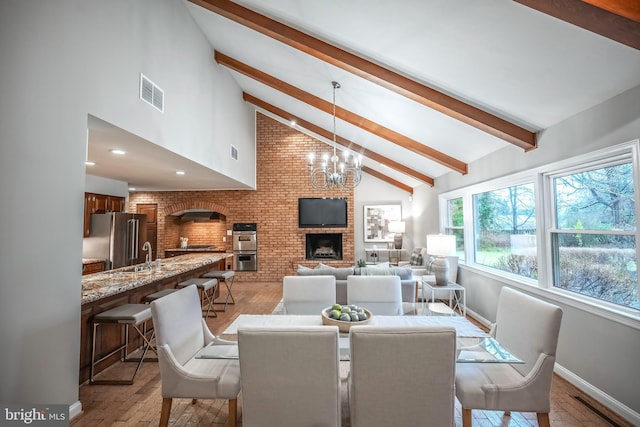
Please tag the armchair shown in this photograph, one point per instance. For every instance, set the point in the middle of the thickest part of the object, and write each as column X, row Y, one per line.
column 529, row 328
column 180, row 333
column 308, row 294
column 290, row 376
column 380, row 294
column 407, row 394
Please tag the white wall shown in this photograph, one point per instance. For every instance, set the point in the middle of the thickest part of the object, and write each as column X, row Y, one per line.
column 602, row 353
column 100, row 185
column 425, row 214
column 373, row 191
column 59, row 62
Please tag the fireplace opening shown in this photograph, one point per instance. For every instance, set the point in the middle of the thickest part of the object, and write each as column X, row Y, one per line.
column 324, row 246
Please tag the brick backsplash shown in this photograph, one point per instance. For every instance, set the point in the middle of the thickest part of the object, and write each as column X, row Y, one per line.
column 282, row 178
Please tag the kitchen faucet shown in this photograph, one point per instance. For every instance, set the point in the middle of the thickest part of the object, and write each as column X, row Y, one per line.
column 149, row 257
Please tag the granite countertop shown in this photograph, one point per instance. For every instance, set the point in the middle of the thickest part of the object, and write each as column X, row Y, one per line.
column 210, row 249
column 101, row 285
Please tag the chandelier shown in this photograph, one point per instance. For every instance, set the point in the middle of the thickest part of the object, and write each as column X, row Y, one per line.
column 330, row 173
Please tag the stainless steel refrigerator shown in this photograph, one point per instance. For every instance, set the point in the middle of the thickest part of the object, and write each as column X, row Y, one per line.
column 116, row 237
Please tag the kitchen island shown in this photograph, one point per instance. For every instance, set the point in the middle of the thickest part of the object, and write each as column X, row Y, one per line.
column 106, row 290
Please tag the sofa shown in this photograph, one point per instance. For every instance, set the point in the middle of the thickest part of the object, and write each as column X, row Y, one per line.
column 407, row 281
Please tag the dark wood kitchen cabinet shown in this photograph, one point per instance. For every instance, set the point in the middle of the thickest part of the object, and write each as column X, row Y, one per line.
column 151, row 211
column 92, row 267
column 100, row 203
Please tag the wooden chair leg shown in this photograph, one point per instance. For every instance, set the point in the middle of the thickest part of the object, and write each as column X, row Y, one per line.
column 233, row 412
column 543, row 419
column 466, row 417
column 165, row 412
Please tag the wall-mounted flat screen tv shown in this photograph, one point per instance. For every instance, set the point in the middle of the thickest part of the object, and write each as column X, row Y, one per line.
column 322, row 212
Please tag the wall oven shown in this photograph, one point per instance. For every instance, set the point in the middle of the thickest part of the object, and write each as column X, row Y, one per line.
column 245, row 246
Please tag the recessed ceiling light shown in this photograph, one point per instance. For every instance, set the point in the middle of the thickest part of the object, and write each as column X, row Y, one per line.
column 88, row 163
column 118, row 151
column 179, row 172
column 132, row 188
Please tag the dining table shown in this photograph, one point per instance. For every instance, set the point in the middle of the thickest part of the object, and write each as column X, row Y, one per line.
column 473, row 345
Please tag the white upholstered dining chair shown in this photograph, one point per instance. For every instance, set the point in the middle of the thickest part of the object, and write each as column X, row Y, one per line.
column 402, row 376
column 528, row 328
column 308, row 294
column 379, row 294
column 180, row 333
column 290, row 376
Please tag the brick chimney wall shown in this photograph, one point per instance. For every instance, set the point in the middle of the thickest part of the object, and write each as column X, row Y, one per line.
column 282, row 178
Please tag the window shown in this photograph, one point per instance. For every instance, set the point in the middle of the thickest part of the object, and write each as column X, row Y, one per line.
column 505, row 230
column 593, row 242
column 567, row 229
column 455, row 224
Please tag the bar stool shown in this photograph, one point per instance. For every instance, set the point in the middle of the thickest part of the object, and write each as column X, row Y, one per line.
column 159, row 294
column 206, row 288
column 126, row 315
column 227, row 277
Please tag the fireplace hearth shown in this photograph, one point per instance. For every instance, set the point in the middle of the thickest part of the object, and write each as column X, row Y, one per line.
column 325, row 246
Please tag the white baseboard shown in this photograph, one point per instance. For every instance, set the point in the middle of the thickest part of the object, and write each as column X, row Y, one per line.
column 75, row 409
column 619, row 408
column 479, row 318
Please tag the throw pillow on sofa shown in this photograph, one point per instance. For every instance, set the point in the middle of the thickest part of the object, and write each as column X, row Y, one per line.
column 377, row 271
column 404, row 273
column 416, row 257
column 317, row 267
column 321, row 265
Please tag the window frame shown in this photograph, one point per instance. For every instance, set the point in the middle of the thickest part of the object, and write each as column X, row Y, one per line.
column 542, row 179
column 448, row 227
column 552, row 227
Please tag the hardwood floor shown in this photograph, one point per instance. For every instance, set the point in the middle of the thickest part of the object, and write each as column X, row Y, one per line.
column 139, row 404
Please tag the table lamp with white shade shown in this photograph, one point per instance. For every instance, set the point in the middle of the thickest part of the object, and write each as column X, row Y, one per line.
column 397, row 227
column 441, row 246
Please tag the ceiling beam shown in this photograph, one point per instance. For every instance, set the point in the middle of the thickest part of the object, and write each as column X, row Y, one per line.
column 387, row 179
column 373, row 72
column 340, row 140
column 343, row 114
column 617, row 20
column 628, row 8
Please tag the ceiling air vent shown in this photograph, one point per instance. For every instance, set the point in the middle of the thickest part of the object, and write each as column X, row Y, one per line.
column 151, row 93
column 234, row 152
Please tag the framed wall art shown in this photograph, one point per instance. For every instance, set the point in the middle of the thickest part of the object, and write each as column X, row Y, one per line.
column 376, row 221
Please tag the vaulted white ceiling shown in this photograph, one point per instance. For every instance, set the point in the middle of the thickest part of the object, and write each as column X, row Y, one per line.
column 513, row 62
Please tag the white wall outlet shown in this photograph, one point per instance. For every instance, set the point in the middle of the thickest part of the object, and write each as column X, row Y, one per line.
column 229, row 232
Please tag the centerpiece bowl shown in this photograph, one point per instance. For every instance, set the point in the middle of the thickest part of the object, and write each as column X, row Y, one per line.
column 343, row 325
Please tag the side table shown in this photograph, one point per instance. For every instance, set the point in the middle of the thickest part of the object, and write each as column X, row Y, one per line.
column 459, row 301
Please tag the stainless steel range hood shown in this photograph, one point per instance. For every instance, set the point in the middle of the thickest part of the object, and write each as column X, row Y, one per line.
column 199, row 215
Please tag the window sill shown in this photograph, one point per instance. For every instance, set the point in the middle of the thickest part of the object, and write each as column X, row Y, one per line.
column 563, row 297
